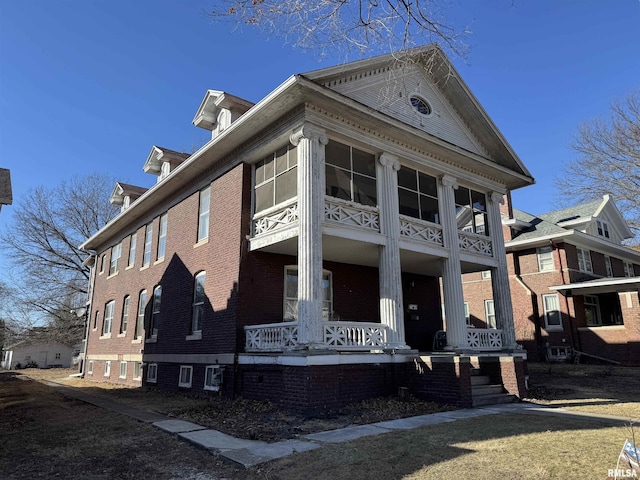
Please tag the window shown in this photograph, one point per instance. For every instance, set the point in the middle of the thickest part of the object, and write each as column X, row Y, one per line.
column 276, row 178
column 116, row 252
column 162, row 237
column 584, row 261
column 108, row 318
column 628, row 269
column 102, row 261
column 125, row 316
column 152, row 373
column 213, row 377
column 418, row 195
column 545, row 259
column 486, row 274
column 350, row 174
column 592, row 310
column 123, row 369
column 471, row 211
column 148, row 235
column 142, row 303
column 57, row 356
column 186, row 372
column 137, row 370
column 420, row 105
column 490, row 313
column 603, row 228
column 203, row 214
column 155, row 311
column 90, row 367
column 198, row 302
column 96, row 317
column 552, row 318
column 608, row 267
column 107, row 368
column 291, row 294
column 132, row 250
column 467, row 317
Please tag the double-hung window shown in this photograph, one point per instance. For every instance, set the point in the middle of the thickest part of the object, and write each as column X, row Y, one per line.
column 198, row 303
column 592, row 310
column 96, row 319
column 107, row 368
column 213, row 377
column 132, row 250
column 603, row 228
column 203, row 214
column 90, row 367
column 418, row 195
column 607, row 265
column 155, row 311
column 108, row 318
column 116, row 252
column 162, row 237
column 186, row 373
column 137, row 370
column 471, row 211
column 545, row 259
column 125, row 316
column 142, row 303
column 152, row 373
column 148, row 235
column 628, row 269
column 490, row 313
column 291, row 294
column 350, row 174
column 276, row 178
column 123, row 369
column 552, row 317
column 584, row 261
column 467, row 317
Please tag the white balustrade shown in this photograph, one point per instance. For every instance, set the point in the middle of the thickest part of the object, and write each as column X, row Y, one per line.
column 349, row 214
column 271, row 221
column 475, row 243
column 486, row 339
column 416, row 229
column 274, row 337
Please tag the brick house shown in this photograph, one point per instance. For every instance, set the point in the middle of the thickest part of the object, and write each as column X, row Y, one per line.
column 574, row 285
column 298, row 255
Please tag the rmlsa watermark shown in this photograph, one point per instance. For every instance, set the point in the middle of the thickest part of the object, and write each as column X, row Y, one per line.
column 622, row 473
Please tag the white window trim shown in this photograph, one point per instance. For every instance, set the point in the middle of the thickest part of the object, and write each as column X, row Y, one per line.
column 90, row 367
column 203, row 215
column 608, row 266
column 602, row 226
column 162, row 237
column 184, row 368
column 217, row 370
column 584, row 260
column 486, row 275
column 595, row 303
column 467, row 317
column 628, row 269
column 547, row 326
column 546, row 262
column 107, row 320
column 152, row 367
column 148, row 242
column 133, row 243
column 196, row 333
column 326, row 312
column 107, row 368
column 138, row 366
column 487, row 314
column 116, row 253
column 123, row 364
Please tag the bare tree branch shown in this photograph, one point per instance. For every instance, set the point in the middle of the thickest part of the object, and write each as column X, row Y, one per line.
column 608, row 161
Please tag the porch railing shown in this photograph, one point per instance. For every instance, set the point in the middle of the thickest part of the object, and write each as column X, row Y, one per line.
column 354, row 336
column 484, row 339
column 475, row 243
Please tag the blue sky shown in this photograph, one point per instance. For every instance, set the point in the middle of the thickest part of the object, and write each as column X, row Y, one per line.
column 90, row 86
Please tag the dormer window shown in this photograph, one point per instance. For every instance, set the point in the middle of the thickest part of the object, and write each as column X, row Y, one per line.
column 603, row 228
column 164, row 170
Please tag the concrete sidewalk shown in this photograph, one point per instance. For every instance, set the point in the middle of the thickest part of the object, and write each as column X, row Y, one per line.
column 248, row 453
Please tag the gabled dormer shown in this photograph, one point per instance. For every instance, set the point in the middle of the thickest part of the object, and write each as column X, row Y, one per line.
column 218, row 110
column 125, row 194
column 162, row 161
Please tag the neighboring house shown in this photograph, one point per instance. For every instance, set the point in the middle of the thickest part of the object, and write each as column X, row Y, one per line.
column 39, row 353
column 297, row 256
column 6, row 197
column 574, row 285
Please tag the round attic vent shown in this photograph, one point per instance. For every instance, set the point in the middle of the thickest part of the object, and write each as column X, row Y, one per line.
column 420, row 105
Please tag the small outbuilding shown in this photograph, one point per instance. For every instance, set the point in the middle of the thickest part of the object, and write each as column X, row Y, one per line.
column 36, row 354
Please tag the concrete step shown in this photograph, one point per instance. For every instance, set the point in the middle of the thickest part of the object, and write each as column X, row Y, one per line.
column 480, row 390
column 495, row 399
column 475, row 371
column 480, row 380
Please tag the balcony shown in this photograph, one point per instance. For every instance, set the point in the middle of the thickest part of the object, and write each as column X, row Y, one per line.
column 339, row 336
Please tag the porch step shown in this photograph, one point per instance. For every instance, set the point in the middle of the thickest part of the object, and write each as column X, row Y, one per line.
column 495, row 399
column 483, row 393
column 479, row 380
column 483, row 390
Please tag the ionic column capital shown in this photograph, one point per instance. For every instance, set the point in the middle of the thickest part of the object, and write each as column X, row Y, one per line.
column 311, row 132
column 449, row 181
column 387, row 160
column 497, row 197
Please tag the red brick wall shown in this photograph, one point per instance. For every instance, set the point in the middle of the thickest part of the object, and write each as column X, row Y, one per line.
column 441, row 379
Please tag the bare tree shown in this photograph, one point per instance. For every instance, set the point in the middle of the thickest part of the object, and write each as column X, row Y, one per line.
column 608, row 161
column 42, row 241
column 375, row 26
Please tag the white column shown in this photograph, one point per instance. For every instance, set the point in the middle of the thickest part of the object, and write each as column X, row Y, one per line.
column 500, row 274
column 451, row 271
column 310, row 141
column 390, row 274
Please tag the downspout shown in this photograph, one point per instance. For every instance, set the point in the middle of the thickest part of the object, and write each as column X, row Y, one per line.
column 575, row 339
column 87, row 314
column 535, row 311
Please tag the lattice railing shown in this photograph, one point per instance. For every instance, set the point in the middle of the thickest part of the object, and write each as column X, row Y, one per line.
column 415, row 229
column 343, row 213
column 275, row 220
column 272, row 337
column 484, row 339
column 474, row 243
column 276, row 337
